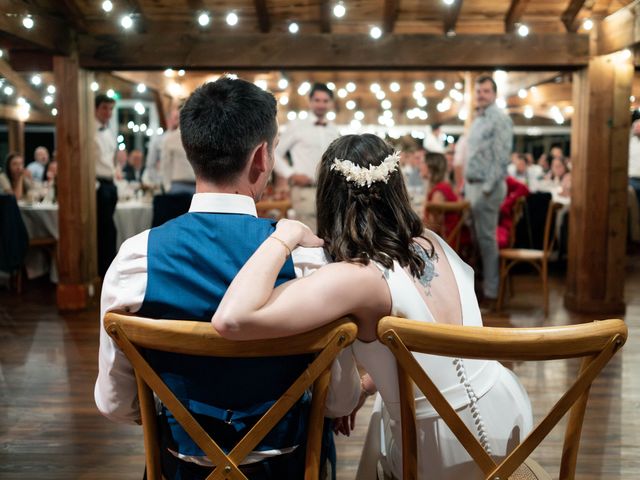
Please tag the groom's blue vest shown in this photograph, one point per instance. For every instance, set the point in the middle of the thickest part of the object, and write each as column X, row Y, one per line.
column 191, row 262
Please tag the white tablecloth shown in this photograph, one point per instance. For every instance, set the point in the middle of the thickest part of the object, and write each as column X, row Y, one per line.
column 41, row 220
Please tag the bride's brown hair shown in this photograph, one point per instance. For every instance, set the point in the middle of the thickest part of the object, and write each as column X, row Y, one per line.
column 361, row 224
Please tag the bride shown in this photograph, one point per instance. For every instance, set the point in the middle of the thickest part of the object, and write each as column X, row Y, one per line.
column 383, row 263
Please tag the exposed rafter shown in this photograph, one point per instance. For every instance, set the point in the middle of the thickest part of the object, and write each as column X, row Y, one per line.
column 23, row 88
column 570, row 15
column 620, row 29
column 325, row 16
column 74, row 15
column 11, row 112
column 391, row 9
column 54, row 35
column 338, row 51
column 451, row 16
column 514, row 14
column 263, row 15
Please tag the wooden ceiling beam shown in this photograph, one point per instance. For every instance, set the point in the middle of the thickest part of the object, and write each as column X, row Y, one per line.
column 620, row 30
column 262, row 12
column 12, row 112
column 514, row 14
column 546, row 94
column 570, row 15
column 451, row 16
column 74, row 14
column 48, row 32
column 22, row 87
column 391, row 9
column 325, row 16
column 338, row 51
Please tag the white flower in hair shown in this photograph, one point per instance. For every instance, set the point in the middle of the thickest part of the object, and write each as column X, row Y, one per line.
column 366, row 176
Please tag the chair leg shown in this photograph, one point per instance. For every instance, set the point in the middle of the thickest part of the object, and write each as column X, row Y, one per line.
column 545, row 287
column 503, row 280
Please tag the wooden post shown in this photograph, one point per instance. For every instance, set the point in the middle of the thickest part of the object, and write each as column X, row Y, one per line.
column 77, row 251
column 598, row 215
column 16, row 136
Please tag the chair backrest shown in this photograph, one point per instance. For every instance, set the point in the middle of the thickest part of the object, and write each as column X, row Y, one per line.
column 132, row 334
column 437, row 212
column 517, row 212
column 595, row 342
column 14, row 239
column 549, row 227
column 265, row 207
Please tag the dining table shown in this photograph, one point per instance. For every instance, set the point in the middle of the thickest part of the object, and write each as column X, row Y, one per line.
column 41, row 220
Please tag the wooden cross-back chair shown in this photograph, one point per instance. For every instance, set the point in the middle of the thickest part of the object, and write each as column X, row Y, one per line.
column 595, row 342
column 437, row 212
column 132, row 334
column 517, row 212
column 265, row 207
column 510, row 257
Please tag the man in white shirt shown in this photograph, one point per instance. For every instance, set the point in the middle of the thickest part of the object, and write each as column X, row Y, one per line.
column 634, row 158
column 177, row 173
column 305, row 140
column 181, row 270
column 37, row 167
column 107, row 194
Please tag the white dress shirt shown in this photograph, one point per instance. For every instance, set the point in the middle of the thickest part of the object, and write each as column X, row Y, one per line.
column 152, row 172
column 105, row 152
column 634, row 156
column 306, row 142
column 174, row 165
column 37, row 171
column 124, row 289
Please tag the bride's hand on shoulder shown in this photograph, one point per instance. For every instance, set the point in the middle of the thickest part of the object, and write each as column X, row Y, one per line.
column 296, row 233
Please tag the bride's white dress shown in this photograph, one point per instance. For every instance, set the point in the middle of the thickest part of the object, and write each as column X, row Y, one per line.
column 489, row 397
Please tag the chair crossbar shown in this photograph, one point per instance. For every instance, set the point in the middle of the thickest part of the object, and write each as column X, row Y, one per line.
column 579, row 387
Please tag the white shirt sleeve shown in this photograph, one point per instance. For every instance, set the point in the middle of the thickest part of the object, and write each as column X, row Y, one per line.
column 123, row 289
column 344, row 389
column 287, row 140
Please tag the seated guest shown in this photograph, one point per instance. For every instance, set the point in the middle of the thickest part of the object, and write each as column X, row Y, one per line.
column 543, row 163
column 521, row 170
column 367, row 227
column 134, row 168
column 14, row 179
column 40, row 161
column 121, row 162
column 515, row 190
column 181, row 269
column 434, row 170
column 559, row 174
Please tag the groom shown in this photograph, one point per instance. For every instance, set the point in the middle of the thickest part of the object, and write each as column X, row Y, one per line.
column 181, row 270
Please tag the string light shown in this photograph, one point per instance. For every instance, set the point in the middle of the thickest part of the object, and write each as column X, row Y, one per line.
column 27, row 22
column 283, row 83
column 292, row 116
column 284, row 100
column 204, row 19
column 54, row 111
column 448, row 2
column 232, row 19
column 359, row 115
column 438, row 85
column 522, row 93
column 293, row 28
column 36, row 80
column 351, row 87
column 375, row 88
column 339, row 10
column 385, row 104
column 181, row 73
column 342, row 93
column 111, row 93
column 107, row 6
column 331, row 116
column 350, row 105
column 394, row 87
column 380, row 95
column 261, row 84
column 304, row 88
column 48, row 99
column 422, row 102
column 302, row 115
column 168, row 73
column 126, row 21
column 418, row 87
column 523, row 30
column 587, row 24
column 51, row 89
column 141, row 88
column 94, row 86
column 375, row 32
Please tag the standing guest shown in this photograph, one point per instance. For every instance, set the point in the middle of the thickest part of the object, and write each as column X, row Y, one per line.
column 305, row 141
column 432, row 142
column 14, row 179
column 152, row 175
column 177, row 173
column 460, row 157
column 40, row 161
column 107, row 193
column 134, row 169
column 490, row 141
column 634, row 158
column 181, row 270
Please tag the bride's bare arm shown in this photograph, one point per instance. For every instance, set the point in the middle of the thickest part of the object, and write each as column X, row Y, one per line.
column 253, row 309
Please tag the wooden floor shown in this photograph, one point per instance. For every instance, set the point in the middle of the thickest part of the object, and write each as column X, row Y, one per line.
column 50, row 428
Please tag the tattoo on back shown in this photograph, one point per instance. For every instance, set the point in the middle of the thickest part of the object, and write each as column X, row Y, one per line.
column 429, row 272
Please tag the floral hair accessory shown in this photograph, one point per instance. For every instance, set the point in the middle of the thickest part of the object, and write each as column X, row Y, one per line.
column 366, row 176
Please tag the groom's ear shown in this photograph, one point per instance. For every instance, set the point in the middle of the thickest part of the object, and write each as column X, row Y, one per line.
column 259, row 161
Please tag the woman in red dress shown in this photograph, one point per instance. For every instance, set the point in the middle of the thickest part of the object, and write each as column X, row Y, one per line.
column 434, row 170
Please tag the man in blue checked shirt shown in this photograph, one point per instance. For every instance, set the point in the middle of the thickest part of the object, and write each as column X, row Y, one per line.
column 489, row 147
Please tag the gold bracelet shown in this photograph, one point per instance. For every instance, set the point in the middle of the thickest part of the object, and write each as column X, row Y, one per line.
column 283, row 244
